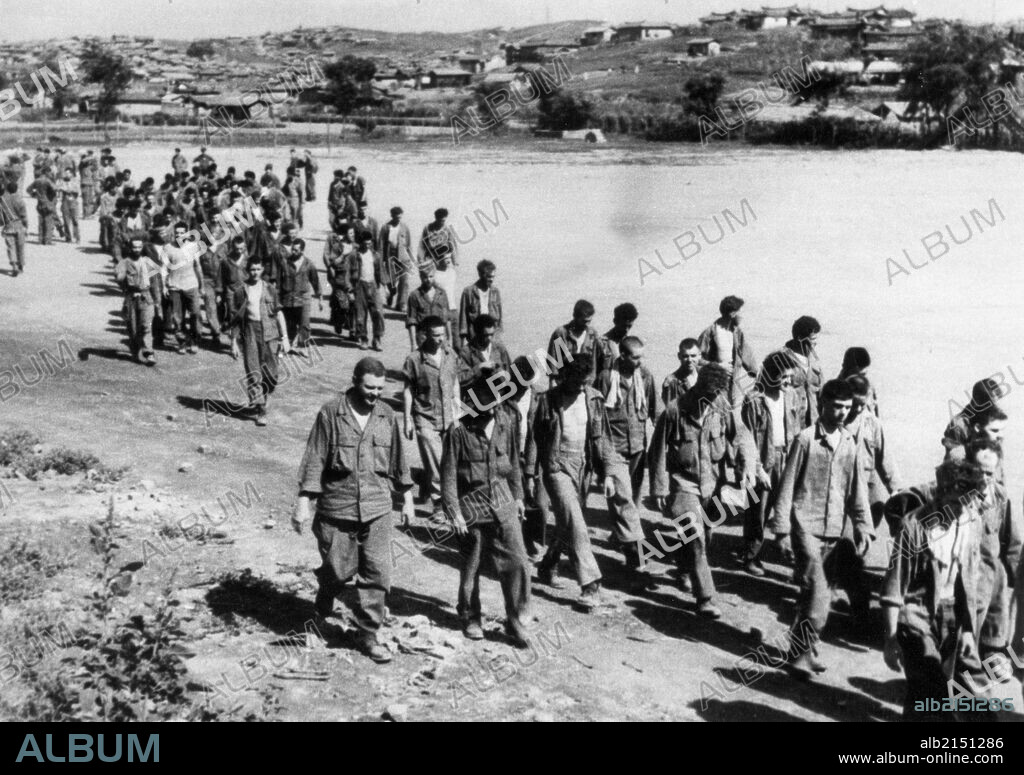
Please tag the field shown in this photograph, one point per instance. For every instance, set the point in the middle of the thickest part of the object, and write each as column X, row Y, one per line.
column 562, row 223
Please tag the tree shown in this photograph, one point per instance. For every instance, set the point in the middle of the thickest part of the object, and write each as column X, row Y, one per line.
column 563, row 110
column 349, row 83
column 102, row 66
column 827, row 84
column 949, row 72
column 61, row 96
column 702, row 94
column 200, row 49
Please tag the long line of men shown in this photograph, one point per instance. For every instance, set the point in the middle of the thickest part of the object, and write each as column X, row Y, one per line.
column 499, row 466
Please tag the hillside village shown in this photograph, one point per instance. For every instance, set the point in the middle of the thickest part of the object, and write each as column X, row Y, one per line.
column 628, row 68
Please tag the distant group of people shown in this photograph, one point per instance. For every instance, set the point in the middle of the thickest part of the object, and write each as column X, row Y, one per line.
column 506, row 463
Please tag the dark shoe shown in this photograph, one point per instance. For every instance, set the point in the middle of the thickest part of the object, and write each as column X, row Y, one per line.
column 590, row 596
column 708, row 610
column 369, row 646
column 192, row 349
column 324, row 603
column 548, row 576
column 643, row 582
column 517, row 635
column 180, row 349
column 754, row 568
column 473, row 630
column 363, row 346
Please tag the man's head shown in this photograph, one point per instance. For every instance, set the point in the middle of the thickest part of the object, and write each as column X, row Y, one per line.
column 712, row 381
column 427, row 274
column 985, row 454
column 238, row 245
column 987, row 393
column 254, row 269
column 805, row 332
column 574, row 375
column 689, row 355
column 298, row 245
column 856, row 360
column 135, row 247
column 836, row 403
column 582, row 315
column 364, row 240
column 631, row 354
column 729, row 309
column 396, row 214
column 432, row 329
column 483, row 330
column 180, row 230
column 958, row 484
column 861, row 389
column 485, row 271
column 12, row 188
column 368, row 380
column 623, row 317
column 777, row 371
column 440, row 214
column 989, row 425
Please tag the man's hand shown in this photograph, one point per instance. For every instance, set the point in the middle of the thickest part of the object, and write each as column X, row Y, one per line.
column 892, row 653
column 785, row 547
column 410, row 432
column 285, row 347
column 659, row 502
column 764, row 479
column 408, row 512
column 862, row 541
column 968, row 646
column 520, row 510
column 609, row 487
column 459, row 524
column 530, row 488
column 301, row 515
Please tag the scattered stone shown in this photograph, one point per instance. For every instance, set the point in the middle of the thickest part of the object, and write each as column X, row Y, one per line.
column 396, row 712
column 171, row 417
column 185, row 467
column 269, row 524
column 204, row 449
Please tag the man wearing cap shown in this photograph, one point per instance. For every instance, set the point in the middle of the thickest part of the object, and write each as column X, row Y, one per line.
column 353, row 466
column 395, row 242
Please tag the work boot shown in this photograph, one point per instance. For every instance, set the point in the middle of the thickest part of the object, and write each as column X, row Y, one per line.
column 548, row 575
column 324, row 603
column 517, row 634
column 368, row 645
column 590, row 596
column 754, row 567
column 708, row 609
column 473, row 630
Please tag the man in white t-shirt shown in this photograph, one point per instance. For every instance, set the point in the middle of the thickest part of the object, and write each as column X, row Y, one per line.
column 184, row 284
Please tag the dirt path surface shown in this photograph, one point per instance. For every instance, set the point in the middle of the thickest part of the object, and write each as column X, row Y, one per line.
column 246, row 585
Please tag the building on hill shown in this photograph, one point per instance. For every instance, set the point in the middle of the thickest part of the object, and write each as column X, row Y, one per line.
column 592, row 36
column 631, row 32
column 882, row 73
column 539, row 49
column 847, row 27
column 444, row 78
column 703, row 47
column 713, row 19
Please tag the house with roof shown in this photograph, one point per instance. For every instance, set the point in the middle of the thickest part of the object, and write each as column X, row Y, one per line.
column 845, row 26
column 443, row 78
column 540, row 49
column 592, row 36
column 714, row 19
column 703, row 47
column 633, row 32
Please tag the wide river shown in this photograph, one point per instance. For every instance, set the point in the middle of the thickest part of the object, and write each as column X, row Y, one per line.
column 569, row 222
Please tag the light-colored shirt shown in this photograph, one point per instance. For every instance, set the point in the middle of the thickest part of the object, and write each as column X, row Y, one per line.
column 253, row 297
column 360, row 418
column 180, row 263
column 574, row 423
column 723, row 345
column 366, row 267
column 484, row 297
column 777, row 410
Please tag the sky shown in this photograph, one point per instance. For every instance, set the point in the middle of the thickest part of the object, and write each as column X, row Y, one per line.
column 189, row 19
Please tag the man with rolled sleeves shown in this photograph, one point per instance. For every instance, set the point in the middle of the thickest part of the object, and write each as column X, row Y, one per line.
column 823, row 503
column 67, row 188
column 139, row 278
column 353, row 467
column 480, row 298
column 425, row 300
column 482, row 492
column 430, row 400
column 631, row 400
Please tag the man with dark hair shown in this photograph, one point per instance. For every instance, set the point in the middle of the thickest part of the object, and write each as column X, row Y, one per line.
column 688, row 470
column 631, row 400
column 234, row 272
column 353, row 464
column 430, row 401
column 367, row 279
column 337, row 249
column 877, row 459
column 576, row 338
column 856, row 362
column 300, row 284
column 139, row 278
column 256, row 313
column 396, row 252
column 429, row 299
column 523, row 407
column 823, row 502
column 310, row 167
column 771, row 416
column 480, row 298
column 724, row 343
column 988, row 424
column 569, row 437
column 482, row 356
column 439, row 244
column 930, row 596
column 14, row 223
column 623, row 318
column 358, row 185
column 178, row 162
column 483, row 495
column 203, row 160
column 807, row 378
column 684, row 378
column 184, row 286
column 67, row 190
column 45, row 194
column 88, row 174
column 986, row 394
